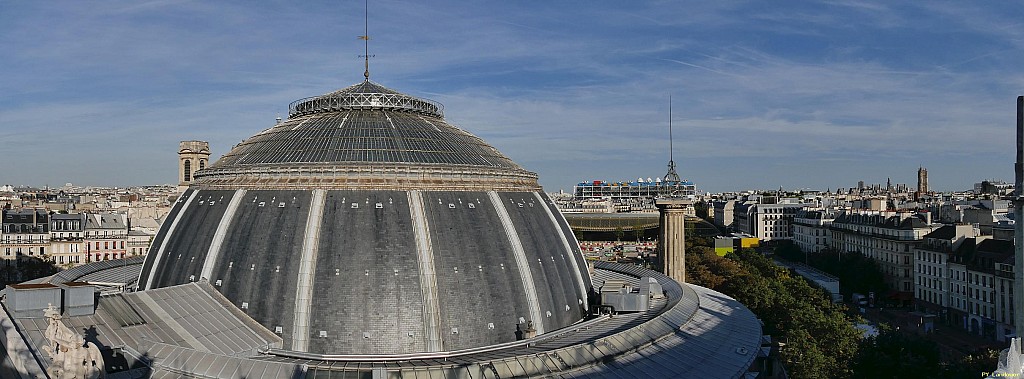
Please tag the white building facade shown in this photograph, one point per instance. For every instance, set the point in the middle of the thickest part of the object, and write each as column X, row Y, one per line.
column 811, row 230
column 887, row 237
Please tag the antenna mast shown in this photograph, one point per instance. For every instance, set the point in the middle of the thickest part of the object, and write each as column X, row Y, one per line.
column 366, row 41
column 671, row 176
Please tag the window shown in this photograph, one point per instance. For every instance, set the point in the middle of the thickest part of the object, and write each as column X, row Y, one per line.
column 188, row 171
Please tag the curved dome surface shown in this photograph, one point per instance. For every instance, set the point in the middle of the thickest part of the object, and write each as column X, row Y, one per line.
column 342, row 134
column 366, row 224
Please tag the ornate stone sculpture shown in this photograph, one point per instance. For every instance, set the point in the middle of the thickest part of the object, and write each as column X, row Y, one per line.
column 73, row 357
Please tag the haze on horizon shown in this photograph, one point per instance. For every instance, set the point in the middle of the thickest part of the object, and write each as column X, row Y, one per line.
column 797, row 95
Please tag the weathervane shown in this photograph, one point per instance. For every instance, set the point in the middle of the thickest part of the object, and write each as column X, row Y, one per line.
column 366, row 41
column 671, row 176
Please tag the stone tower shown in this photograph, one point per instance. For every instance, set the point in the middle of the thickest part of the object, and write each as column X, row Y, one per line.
column 672, row 237
column 192, row 156
column 922, row 180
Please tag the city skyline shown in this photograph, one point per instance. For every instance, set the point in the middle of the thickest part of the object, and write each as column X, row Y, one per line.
column 802, row 96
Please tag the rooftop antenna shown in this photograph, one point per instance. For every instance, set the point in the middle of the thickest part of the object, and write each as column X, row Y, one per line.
column 671, row 176
column 366, row 41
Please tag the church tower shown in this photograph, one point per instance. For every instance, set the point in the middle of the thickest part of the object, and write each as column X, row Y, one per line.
column 922, row 180
column 192, row 156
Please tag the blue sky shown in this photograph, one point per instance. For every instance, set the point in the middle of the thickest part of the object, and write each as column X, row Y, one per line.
column 765, row 94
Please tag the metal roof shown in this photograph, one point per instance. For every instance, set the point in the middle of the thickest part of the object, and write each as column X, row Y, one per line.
column 124, row 271
column 192, row 331
column 365, row 95
column 378, row 272
column 363, row 125
column 191, row 316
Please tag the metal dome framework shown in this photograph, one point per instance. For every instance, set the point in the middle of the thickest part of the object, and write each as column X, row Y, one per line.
column 425, row 237
column 366, row 136
column 366, row 95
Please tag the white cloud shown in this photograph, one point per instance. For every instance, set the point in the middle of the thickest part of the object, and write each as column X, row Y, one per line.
column 568, row 91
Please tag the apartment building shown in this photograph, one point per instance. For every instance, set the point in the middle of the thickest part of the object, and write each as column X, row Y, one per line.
column 887, row 237
column 811, row 229
column 25, row 233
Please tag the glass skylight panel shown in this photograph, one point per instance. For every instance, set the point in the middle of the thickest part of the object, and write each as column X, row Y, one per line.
column 377, row 155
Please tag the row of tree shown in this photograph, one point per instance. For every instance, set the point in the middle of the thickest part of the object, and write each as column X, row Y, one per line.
column 857, row 273
column 25, row 268
column 819, row 338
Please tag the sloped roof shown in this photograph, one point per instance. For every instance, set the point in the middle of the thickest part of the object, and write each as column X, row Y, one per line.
column 946, row 232
column 996, row 246
column 105, row 221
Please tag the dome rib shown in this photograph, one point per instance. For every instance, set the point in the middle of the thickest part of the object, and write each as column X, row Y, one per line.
column 381, row 230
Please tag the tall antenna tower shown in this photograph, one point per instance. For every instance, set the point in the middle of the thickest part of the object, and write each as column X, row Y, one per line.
column 366, row 41
column 671, row 176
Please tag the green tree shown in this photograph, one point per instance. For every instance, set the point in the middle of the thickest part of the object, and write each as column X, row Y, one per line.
column 702, row 210
column 972, row 364
column 892, row 354
column 856, row 272
column 26, row 268
column 820, row 339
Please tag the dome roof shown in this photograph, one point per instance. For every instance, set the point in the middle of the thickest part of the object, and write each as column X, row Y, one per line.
column 342, row 133
column 366, row 224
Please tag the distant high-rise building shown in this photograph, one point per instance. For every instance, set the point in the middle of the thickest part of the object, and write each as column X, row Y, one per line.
column 192, row 156
column 922, row 180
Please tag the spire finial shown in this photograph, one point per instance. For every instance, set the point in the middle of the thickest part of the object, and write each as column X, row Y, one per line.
column 671, row 176
column 366, row 41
